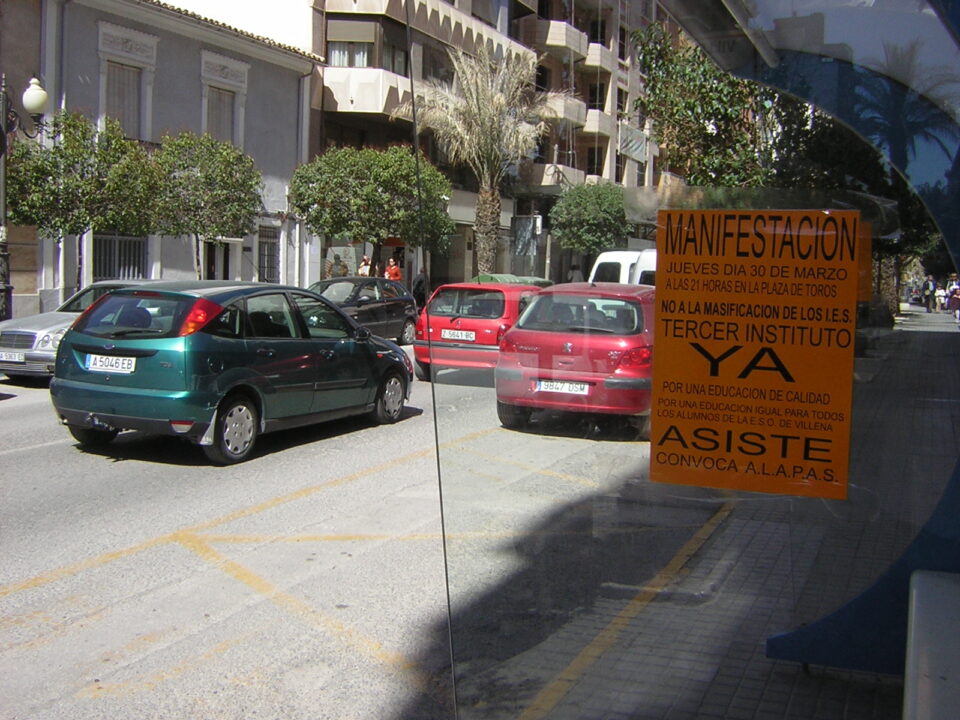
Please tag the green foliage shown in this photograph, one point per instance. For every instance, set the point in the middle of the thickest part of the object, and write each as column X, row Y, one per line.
column 210, row 189
column 372, row 194
column 86, row 180
column 712, row 128
column 590, row 218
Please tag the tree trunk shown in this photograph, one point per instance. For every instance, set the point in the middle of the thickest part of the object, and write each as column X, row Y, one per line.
column 486, row 229
column 197, row 261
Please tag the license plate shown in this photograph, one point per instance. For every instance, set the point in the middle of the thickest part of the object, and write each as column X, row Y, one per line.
column 111, row 363
column 559, row 386
column 12, row 356
column 468, row 335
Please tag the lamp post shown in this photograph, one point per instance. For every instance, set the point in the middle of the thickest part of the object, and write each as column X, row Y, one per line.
column 35, row 103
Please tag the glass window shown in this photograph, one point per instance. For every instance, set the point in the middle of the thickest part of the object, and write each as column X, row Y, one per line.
column 597, row 97
column 123, row 97
column 322, row 321
column 350, row 54
column 390, row 290
column 231, row 323
column 220, row 108
column 395, row 59
column 468, row 303
column 271, row 316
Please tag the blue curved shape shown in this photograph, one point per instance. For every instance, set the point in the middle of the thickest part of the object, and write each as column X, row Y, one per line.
column 869, row 632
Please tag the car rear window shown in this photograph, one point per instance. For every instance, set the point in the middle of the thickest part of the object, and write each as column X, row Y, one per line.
column 580, row 313
column 609, row 272
column 468, row 302
column 136, row 314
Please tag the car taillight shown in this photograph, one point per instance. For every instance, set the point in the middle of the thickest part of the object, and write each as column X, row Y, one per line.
column 501, row 331
column 507, row 345
column 637, row 358
column 202, row 312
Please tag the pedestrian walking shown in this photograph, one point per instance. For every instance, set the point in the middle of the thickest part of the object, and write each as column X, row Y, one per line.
column 393, row 271
column 363, row 269
column 928, row 290
column 419, row 288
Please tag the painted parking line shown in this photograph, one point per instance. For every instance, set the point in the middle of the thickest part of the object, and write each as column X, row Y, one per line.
column 548, row 698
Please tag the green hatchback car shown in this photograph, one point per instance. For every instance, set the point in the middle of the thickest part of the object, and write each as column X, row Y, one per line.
column 219, row 363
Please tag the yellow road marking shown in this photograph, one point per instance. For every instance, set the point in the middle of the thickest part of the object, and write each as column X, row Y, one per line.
column 552, row 694
column 533, row 469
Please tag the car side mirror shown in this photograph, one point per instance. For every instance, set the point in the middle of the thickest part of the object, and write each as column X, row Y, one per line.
column 363, row 300
column 362, row 333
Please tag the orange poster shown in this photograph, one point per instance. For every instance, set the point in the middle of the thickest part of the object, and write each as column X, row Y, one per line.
column 754, row 340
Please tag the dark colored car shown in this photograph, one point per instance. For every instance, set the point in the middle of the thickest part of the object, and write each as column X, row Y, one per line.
column 579, row 347
column 28, row 345
column 220, row 362
column 383, row 306
column 462, row 324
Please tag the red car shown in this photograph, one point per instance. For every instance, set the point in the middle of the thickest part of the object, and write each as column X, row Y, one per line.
column 579, row 347
column 462, row 324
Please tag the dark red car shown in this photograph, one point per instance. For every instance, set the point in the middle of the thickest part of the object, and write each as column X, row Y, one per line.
column 579, row 347
column 462, row 324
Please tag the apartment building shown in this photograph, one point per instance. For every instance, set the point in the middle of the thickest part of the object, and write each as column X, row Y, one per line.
column 377, row 50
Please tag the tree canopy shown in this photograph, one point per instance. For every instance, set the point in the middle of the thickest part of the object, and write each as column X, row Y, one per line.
column 589, row 218
column 370, row 195
column 489, row 121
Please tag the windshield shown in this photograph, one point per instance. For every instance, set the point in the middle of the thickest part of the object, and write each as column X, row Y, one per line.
column 468, row 302
column 565, row 313
column 126, row 315
column 336, row 291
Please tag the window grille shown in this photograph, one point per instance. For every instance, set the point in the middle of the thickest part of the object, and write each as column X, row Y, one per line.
column 123, row 97
column 119, row 257
column 268, row 267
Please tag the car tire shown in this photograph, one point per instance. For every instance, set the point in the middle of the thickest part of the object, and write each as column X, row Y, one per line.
column 512, row 416
column 642, row 426
column 408, row 333
column 422, row 370
column 390, row 398
column 237, row 422
column 90, row 437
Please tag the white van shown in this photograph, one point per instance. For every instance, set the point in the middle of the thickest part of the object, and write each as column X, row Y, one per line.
column 636, row 267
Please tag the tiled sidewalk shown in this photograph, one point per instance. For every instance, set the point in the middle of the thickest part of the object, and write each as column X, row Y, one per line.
column 695, row 646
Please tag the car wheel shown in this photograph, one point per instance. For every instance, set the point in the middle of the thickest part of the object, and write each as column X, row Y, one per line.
column 642, row 426
column 512, row 416
column 236, row 431
column 390, row 398
column 422, row 370
column 408, row 333
column 88, row 437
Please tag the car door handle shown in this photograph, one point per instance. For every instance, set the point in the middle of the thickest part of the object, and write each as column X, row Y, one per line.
column 266, row 352
column 328, row 354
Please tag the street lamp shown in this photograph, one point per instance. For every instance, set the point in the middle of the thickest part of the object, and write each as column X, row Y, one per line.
column 35, row 103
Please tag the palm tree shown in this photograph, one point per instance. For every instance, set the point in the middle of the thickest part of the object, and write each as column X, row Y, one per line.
column 904, row 115
column 489, row 120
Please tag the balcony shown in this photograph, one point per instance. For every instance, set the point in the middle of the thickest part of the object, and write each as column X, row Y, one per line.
column 363, row 90
column 600, row 57
column 571, row 109
column 547, row 175
column 554, row 37
column 600, row 123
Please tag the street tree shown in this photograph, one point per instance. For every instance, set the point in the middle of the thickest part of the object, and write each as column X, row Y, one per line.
column 490, row 119
column 370, row 195
column 210, row 190
column 83, row 180
column 589, row 218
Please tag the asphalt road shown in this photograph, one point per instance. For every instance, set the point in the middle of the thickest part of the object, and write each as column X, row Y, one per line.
column 307, row 582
